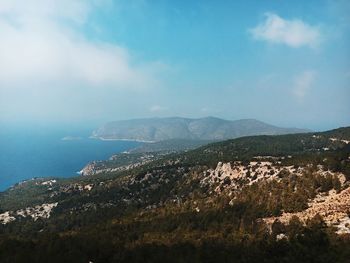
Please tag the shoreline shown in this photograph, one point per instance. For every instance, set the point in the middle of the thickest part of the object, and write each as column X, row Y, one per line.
column 128, row 140
column 73, row 170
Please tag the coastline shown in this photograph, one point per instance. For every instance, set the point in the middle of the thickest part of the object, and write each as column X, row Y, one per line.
column 65, row 159
column 128, row 140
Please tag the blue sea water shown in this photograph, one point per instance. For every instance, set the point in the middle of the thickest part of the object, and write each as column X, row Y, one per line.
column 31, row 152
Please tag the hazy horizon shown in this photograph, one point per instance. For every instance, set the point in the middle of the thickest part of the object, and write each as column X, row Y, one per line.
column 85, row 126
column 89, row 62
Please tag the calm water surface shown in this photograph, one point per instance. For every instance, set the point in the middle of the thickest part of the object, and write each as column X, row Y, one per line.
column 26, row 153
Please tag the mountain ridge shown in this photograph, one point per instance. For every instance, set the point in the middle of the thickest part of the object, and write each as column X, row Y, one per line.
column 207, row 128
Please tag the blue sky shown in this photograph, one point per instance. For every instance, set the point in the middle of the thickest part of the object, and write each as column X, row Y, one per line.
column 283, row 62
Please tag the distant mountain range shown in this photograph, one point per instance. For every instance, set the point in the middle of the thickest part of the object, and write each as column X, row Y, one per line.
column 209, row 128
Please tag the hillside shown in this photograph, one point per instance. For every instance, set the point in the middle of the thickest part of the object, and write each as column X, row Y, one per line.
column 171, row 145
column 210, row 128
column 279, row 198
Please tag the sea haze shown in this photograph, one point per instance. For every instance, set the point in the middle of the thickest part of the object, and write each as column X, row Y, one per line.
column 31, row 152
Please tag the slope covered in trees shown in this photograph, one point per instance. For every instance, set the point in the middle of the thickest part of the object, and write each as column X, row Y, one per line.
column 210, row 204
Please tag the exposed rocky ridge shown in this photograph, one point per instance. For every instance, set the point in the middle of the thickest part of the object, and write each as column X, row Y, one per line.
column 39, row 211
column 233, row 176
column 119, row 162
column 334, row 208
column 170, row 146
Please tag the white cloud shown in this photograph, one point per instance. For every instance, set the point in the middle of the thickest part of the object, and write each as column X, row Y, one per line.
column 206, row 110
column 75, row 10
column 157, row 108
column 303, row 83
column 294, row 33
column 39, row 46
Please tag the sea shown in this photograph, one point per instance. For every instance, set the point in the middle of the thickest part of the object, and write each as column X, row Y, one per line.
column 28, row 152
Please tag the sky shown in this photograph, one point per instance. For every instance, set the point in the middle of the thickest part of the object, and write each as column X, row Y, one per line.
column 72, row 61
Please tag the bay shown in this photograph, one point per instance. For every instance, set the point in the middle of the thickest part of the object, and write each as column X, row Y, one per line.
column 31, row 152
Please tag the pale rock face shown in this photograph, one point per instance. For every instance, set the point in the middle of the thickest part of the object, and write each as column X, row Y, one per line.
column 93, row 169
column 336, row 139
column 334, row 208
column 281, row 237
column 88, row 187
column 76, row 187
column 343, row 226
column 6, row 218
column 229, row 175
column 89, row 169
column 50, row 182
column 39, row 211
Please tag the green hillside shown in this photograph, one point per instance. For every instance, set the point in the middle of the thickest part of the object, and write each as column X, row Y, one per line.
column 185, row 207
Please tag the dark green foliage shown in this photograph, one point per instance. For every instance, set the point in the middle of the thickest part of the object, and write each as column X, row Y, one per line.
column 160, row 212
column 135, row 242
column 168, row 146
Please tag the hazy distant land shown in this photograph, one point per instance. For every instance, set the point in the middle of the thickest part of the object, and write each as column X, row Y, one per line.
column 209, row 128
